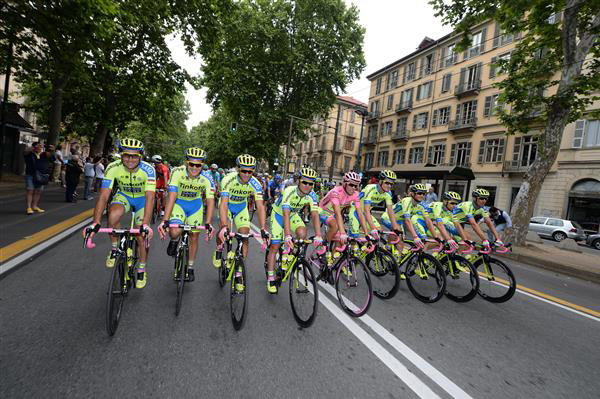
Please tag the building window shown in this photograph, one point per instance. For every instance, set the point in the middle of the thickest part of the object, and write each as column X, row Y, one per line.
column 492, row 105
column 382, row 158
column 420, row 121
column 410, row 72
column 347, row 163
column 496, row 69
column 450, row 57
column 525, row 150
column 460, row 154
column 352, row 115
column 390, row 102
column 351, row 130
column 424, row 90
column 401, row 125
column 375, row 106
column 466, row 112
column 392, row 79
column 368, row 160
column 491, row 150
column 378, row 86
column 415, row 155
column 406, row 98
column 426, row 65
column 587, row 133
column 446, row 82
column 437, row 154
column 440, row 116
column 399, row 155
column 476, row 44
column 372, row 132
column 386, row 128
column 349, row 146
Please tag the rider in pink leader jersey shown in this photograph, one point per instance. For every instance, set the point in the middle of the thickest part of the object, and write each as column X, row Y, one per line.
column 336, row 201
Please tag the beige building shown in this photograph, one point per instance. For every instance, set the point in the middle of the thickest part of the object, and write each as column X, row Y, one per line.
column 317, row 150
column 432, row 119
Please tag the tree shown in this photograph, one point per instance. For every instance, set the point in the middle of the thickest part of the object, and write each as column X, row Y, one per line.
column 281, row 58
column 555, row 70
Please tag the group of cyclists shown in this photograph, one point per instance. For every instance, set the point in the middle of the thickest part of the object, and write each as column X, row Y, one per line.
column 191, row 190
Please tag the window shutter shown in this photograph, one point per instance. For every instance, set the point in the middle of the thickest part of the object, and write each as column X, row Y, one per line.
column 426, row 119
column 493, row 68
column 442, row 58
column 404, row 74
column 481, row 151
column 419, row 92
column 517, row 35
column 453, row 154
column 414, row 122
column 579, row 132
column 421, row 67
column 458, row 109
column 448, row 81
column 496, row 36
column 429, row 89
column 443, row 158
column 430, row 154
column 465, row 55
column 482, row 45
column 461, row 82
column 487, row 107
column 500, row 157
column 516, row 150
column 434, row 118
column 410, row 155
column 468, row 156
column 478, row 72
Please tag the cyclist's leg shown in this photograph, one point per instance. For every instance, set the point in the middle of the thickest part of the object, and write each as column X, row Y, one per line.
column 137, row 205
column 195, row 216
column 116, row 210
column 241, row 219
column 354, row 222
column 298, row 226
column 276, row 239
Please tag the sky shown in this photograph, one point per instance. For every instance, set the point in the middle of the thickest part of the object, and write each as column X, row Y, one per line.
column 394, row 28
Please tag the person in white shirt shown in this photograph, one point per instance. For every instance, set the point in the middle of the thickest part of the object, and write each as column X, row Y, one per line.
column 99, row 169
column 89, row 174
column 58, row 164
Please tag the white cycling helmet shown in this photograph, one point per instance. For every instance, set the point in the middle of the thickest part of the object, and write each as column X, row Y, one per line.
column 214, row 166
column 156, row 158
column 351, row 177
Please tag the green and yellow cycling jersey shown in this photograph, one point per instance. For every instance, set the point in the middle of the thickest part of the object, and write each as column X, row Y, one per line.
column 467, row 210
column 187, row 187
column 133, row 184
column 292, row 200
column 439, row 213
column 238, row 192
column 405, row 209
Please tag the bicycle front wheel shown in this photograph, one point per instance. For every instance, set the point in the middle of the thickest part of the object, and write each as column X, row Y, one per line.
column 303, row 293
column 497, row 282
column 238, row 295
column 115, row 296
column 353, row 286
column 462, row 281
column 180, row 272
column 385, row 273
column 425, row 278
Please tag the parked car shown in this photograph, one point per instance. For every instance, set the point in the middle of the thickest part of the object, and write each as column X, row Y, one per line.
column 593, row 240
column 590, row 228
column 557, row 229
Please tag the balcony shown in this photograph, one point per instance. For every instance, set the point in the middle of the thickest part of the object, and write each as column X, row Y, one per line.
column 515, row 166
column 404, row 106
column 369, row 140
column 373, row 115
column 400, row 135
column 463, row 125
column 468, row 88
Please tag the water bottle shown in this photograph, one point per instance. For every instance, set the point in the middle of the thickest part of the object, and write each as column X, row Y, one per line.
column 284, row 262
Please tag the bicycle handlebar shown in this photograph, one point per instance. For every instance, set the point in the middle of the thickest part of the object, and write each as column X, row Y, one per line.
column 88, row 240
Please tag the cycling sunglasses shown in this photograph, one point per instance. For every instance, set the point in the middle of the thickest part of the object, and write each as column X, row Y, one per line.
column 246, row 172
column 353, row 185
column 195, row 165
column 453, row 203
column 308, row 183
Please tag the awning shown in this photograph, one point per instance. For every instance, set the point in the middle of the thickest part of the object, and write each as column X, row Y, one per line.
column 14, row 120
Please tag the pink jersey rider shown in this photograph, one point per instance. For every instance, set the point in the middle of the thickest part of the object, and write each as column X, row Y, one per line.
column 337, row 196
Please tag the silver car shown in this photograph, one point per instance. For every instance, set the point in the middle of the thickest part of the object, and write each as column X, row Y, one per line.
column 593, row 240
column 557, row 229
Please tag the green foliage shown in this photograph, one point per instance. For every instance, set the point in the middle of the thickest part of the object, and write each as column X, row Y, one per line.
column 281, row 58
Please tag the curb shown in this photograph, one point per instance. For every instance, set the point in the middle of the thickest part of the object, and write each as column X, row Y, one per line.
column 553, row 266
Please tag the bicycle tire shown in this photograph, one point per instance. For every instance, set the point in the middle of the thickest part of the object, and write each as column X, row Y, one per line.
column 382, row 265
column 222, row 271
column 115, row 296
column 303, row 274
column 357, row 269
column 181, row 270
column 512, row 286
column 238, row 301
column 439, row 279
column 453, row 291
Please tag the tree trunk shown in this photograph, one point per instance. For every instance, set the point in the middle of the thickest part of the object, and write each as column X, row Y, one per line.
column 108, row 114
column 58, row 86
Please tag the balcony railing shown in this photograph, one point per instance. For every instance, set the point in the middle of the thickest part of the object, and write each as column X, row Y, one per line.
column 404, row 106
column 373, row 115
column 400, row 135
column 463, row 124
column 369, row 140
column 515, row 166
column 467, row 88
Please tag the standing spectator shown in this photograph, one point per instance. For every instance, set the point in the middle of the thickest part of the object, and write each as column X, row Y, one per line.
column 99, row 170
column 502, row 221
column 72, row 175
column 89, row 174
column 37, row 165
column 58, row 163
column 431, row 196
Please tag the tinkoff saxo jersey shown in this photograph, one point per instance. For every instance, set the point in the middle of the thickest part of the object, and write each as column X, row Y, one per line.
column 292, row 200
column 189, row 188
column 133, row 184
column 238, row 192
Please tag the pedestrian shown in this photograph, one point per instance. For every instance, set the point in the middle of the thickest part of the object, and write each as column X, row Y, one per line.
column 72, row 175
column 99, row 170
column 58, row 163
column 502, row 221
column 37, row 168
column 431, row 196
column 89, row 174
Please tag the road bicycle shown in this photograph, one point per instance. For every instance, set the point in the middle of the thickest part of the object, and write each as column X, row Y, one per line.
column 293, row 265
column 158, row 205
column 233, row 270
column 385, row 273
column 123, row 275
column 347, row 273
column 497, row 282
column 462, row 279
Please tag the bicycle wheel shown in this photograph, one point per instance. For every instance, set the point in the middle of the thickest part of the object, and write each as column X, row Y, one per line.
column 462, row 281
column 222, row 271
column 385, row 273
column 353, row 286
column 497, row 282
column 425, row 278
column 238, row 295
column 115, row 296
column 303, row 293
column 181, row 271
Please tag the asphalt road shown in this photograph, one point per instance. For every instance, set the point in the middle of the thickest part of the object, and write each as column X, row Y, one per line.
column 54, row 343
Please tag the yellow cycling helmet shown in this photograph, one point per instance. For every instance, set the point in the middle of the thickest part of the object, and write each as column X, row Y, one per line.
column 308, row 173
column 195, row 153
column 418, row 188
column 387, row 175
column 246, row 161
column 451, row 195
column 131, row 146
column 481, row 193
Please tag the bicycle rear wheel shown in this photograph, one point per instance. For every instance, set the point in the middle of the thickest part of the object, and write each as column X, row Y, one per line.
column 462, row 281
column 497, row 282
column 238, row 295
column 181, row 271
column 115, row 296
column 303, row 293
column 385, row 273
column 425, row 278
column 353, row 286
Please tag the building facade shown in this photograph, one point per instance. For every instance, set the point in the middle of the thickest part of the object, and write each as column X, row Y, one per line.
column 317, row 151
column 432, row 119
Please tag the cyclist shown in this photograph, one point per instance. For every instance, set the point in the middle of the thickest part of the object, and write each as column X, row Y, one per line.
column 286, row 221
column 337, row 201
column 137, row 182
column 442, row 215
column 371, row 195
column 236, row 188
column 466, row 212
column 162, row 177
column 216, row 177
column 185, row 205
